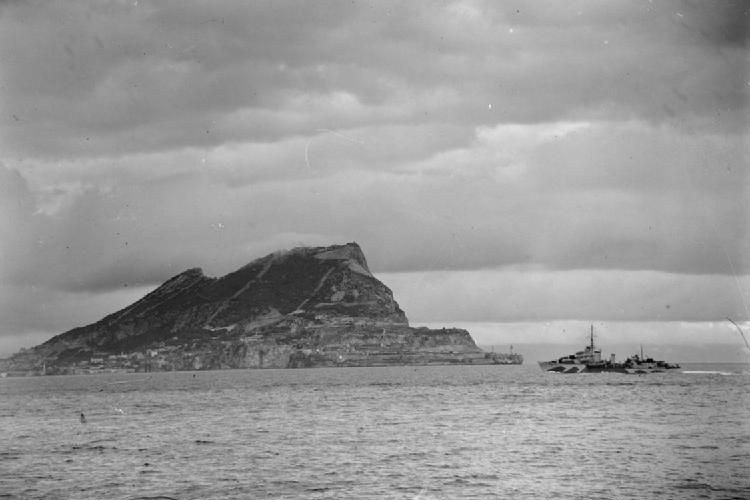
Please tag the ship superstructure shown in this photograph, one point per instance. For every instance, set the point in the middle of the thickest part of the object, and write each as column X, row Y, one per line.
column 590, row 360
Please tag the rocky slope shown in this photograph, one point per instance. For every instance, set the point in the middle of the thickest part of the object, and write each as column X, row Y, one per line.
column 300, row 308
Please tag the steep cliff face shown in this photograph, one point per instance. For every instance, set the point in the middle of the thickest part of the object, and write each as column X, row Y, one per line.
column 310, row 306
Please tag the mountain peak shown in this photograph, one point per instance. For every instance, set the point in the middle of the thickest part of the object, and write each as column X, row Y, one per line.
column 349, row 252
column 193, row 271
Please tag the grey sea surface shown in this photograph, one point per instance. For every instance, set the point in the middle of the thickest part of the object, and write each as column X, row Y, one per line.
column 438, row 432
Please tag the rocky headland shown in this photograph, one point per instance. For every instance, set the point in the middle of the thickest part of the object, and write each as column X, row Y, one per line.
column 306, row 307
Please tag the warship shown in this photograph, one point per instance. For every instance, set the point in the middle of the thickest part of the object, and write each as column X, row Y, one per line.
column 589, row 360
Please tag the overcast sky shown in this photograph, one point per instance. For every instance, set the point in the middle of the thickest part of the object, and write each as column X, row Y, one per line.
column 497, row 161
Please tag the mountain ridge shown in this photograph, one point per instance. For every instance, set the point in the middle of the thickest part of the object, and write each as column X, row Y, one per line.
column 304, row 307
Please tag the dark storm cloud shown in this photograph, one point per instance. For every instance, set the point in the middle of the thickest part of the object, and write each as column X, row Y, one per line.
column 105, row 240
column 719, row 23
column 111, row 78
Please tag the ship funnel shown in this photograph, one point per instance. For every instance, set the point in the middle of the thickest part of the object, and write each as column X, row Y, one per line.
column 612, row 358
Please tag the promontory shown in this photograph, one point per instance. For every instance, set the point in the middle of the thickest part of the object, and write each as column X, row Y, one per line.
column 305, row 307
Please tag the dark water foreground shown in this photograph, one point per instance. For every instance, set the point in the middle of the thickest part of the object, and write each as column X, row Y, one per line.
column 403, row 433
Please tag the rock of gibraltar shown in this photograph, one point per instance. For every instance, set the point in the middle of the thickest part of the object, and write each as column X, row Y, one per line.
column 306, row 307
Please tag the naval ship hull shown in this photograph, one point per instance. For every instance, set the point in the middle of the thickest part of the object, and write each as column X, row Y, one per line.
column 550, row 366
column 589, row 360
column 558, row 367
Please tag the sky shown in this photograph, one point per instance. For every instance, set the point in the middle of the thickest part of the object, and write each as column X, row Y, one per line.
column 501, row 164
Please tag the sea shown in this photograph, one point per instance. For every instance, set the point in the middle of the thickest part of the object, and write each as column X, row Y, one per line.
column 415, row 432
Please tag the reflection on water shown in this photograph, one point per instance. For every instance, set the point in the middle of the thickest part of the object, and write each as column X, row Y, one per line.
column 410, row 432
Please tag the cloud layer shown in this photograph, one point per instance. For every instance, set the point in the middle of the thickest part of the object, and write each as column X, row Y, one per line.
column 468, row 139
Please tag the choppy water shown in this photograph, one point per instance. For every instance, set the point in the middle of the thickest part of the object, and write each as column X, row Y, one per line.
column 403, row 433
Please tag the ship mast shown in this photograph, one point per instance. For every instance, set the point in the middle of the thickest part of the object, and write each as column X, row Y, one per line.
column 592, row 338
